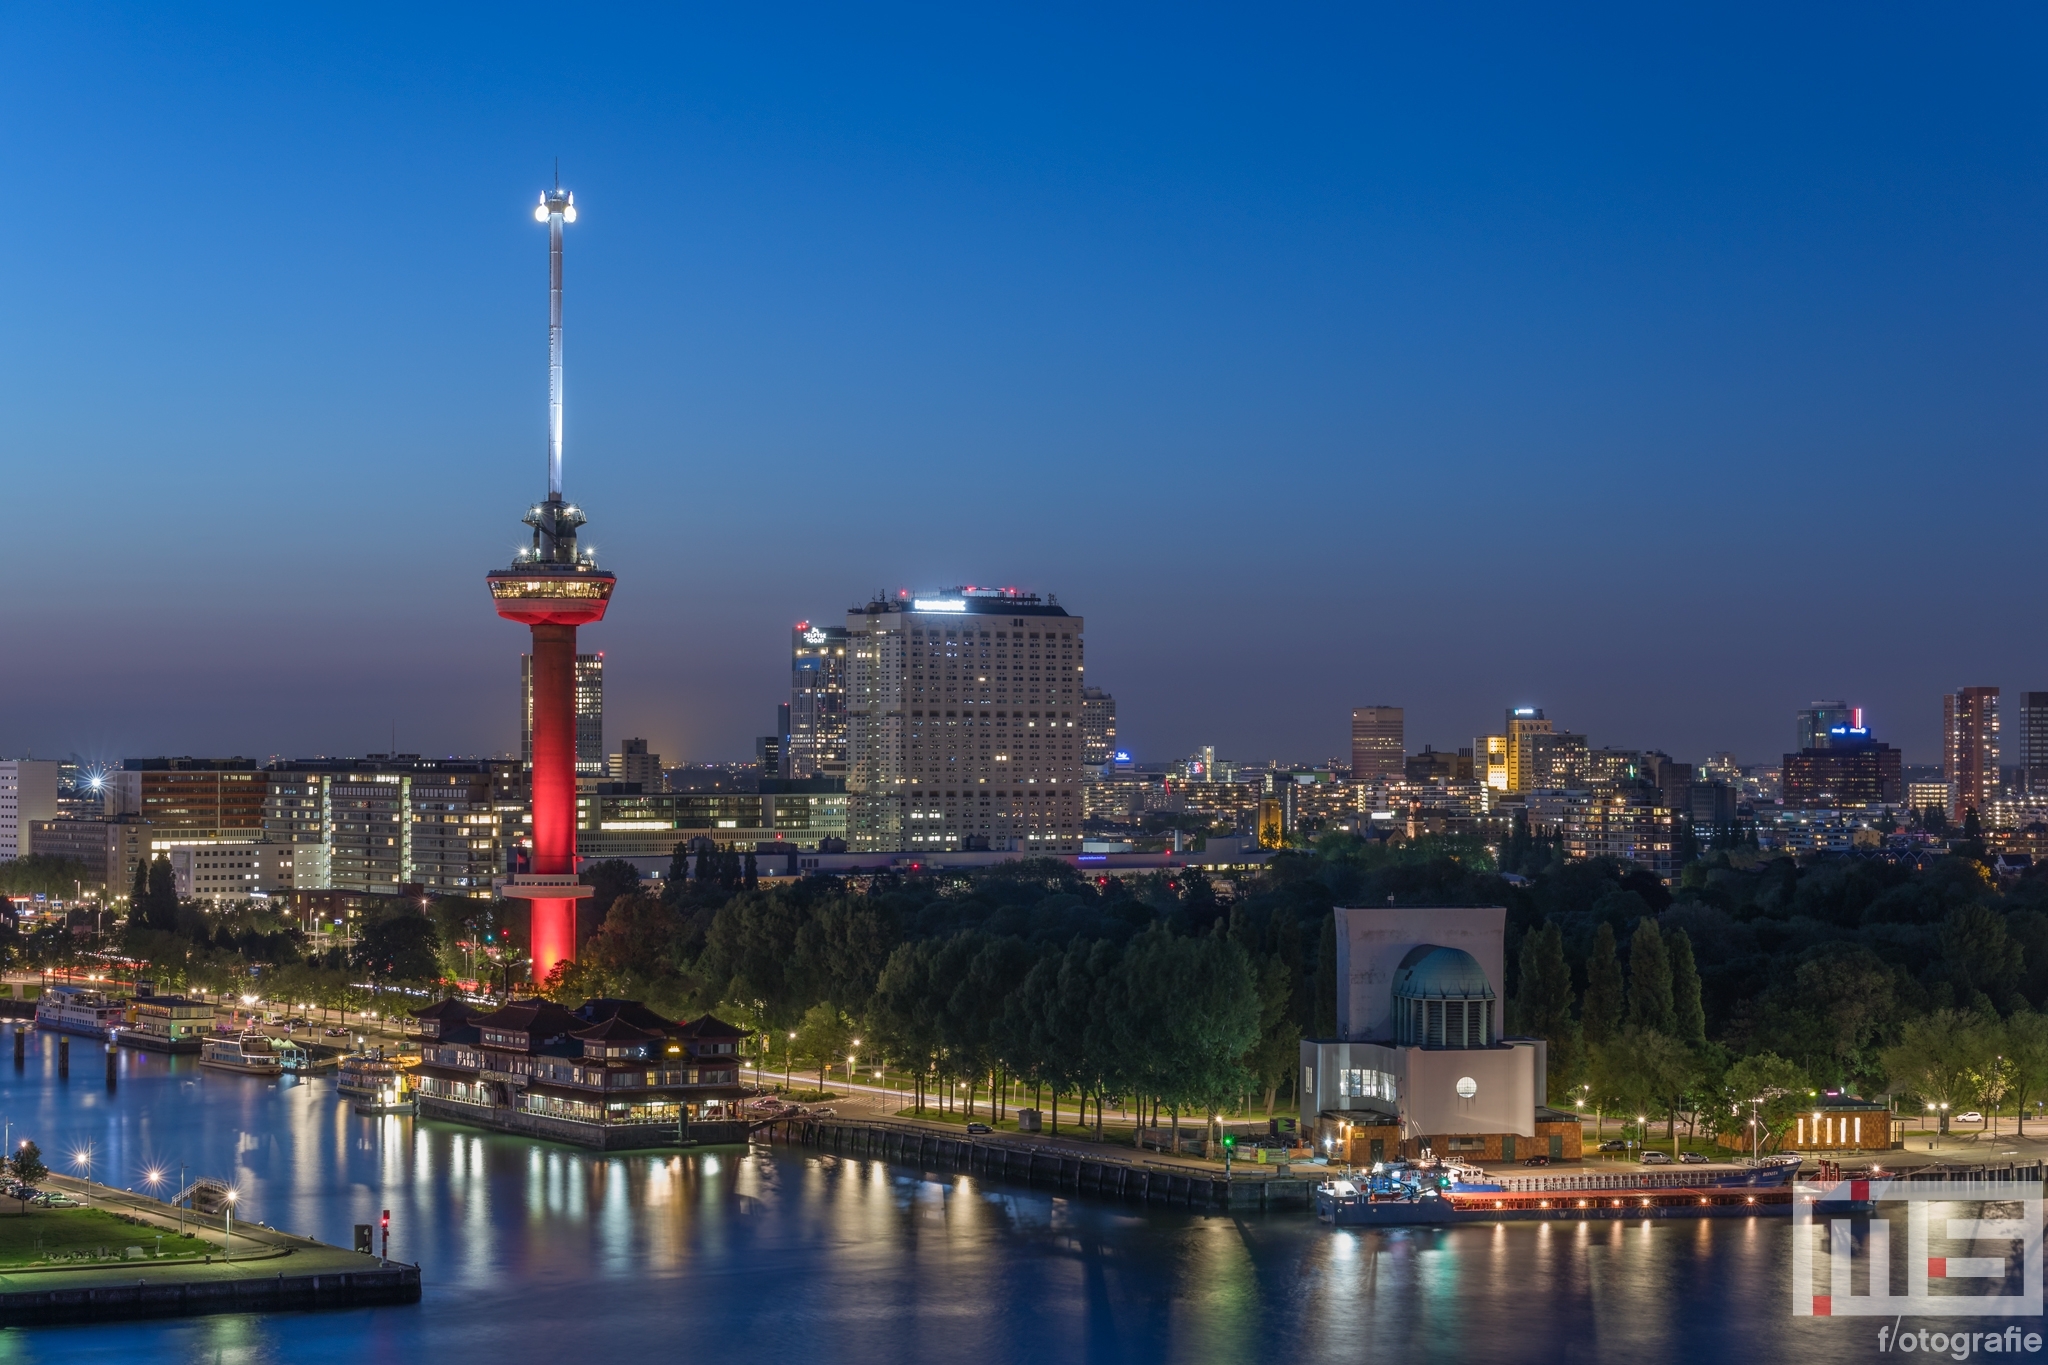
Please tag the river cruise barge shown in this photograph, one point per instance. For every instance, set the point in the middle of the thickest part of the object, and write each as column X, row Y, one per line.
column 1401, row 1194
column 83, row 1010
column 250, row 1054
column 371, row 1075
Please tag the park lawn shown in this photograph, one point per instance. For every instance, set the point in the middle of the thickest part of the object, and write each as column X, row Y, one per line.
column 43, row 1235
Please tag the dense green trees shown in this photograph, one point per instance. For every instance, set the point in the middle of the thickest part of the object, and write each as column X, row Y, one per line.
column 153, row 900
column 41, row 874
column 398, row 945
column 1940, row 1057
column 1602, row 1014
column 1544, row 1007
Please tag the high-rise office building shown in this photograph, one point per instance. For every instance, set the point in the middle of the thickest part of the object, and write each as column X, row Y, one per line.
column 1524, row 723
column 28, row 793
column 1818, row 720
column 1433, row 766
column 1850, row 770
column 2033, row 727
column 589, row 713
column 1969, row 727
column 964, row 721
column 817, row 701
column 632, row 763
column 1490, row 761
column 1555, row 760
column 109, row 845
column 390, row 821
column 1098, row 727
column 1379, row 742
column 191, row 800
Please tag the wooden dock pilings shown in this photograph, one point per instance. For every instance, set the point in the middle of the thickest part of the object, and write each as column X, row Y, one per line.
column 1061, row 1168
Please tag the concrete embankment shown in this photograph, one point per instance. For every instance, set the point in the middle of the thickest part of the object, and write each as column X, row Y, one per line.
column 271, row 1271
column 180, row 1291
column 1060, row 1167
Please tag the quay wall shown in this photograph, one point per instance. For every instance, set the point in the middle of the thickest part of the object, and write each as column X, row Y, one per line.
column 1062, row 1168
column 167, row 1298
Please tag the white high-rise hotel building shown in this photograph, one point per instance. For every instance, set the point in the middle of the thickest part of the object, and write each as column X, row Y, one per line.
column 964, row 733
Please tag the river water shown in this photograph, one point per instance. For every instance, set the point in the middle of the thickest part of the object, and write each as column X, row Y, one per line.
column 534, row 1252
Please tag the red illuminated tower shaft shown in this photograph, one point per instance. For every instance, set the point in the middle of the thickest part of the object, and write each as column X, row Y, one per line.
column 552, row 588
column 554, row 790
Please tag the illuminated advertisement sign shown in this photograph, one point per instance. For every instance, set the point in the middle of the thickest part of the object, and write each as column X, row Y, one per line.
column 938, row 604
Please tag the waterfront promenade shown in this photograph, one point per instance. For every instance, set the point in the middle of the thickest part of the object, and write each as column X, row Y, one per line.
column 256, row 1268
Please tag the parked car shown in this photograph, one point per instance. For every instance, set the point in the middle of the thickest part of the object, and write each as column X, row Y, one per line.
column 1614, row 1145
column 1693, row 1158
column 1537, row 1161
column 1656, row 1158
column 826, row 1112
column 1971, row 1117
column 979, row 1128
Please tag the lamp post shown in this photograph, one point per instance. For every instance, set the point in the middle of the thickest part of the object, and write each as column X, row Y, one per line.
column 228, row 1242
column 787, row 1049
column 1756, row 1135
column 853, row 1052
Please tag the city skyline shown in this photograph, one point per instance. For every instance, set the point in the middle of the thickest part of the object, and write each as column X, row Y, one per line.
column 1195, row 290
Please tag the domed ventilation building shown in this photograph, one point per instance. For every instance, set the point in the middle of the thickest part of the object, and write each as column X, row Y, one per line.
column 1420, row 1061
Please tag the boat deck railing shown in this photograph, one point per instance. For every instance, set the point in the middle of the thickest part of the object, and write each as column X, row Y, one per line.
column 1684, row 1177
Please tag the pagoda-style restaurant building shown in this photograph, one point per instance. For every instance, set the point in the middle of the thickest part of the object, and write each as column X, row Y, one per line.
column 609, row 1074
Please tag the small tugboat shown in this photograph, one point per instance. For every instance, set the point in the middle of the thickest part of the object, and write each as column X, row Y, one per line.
column 250, row 1053
column 1401, row 1193
column 82, row 1010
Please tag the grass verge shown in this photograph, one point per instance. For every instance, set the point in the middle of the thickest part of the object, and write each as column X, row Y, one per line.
column 57, row 1236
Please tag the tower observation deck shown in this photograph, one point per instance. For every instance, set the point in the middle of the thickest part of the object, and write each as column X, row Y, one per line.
column 552, row 588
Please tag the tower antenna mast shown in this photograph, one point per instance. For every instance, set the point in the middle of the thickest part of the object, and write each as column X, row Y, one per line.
column 555, row 209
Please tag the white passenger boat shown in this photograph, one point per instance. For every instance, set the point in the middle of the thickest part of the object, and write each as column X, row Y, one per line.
column 82, row 1010
column 374, row 1076
column 250, row 1054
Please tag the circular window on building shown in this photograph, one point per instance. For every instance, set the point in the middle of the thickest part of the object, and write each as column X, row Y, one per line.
column 1467, row 1087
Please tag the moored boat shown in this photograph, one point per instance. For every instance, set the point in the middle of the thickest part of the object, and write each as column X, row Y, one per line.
column 371, row 1075
column 1399, row 1194
column 250, row 1053
column 82, row 1010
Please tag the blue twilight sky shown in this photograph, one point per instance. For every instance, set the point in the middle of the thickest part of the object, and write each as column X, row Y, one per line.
column 1667, row 370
